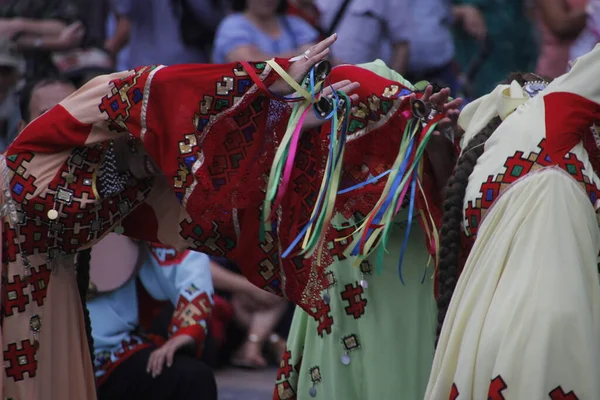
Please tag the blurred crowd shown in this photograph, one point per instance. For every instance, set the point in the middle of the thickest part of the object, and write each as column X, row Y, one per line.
column 48, row 48
column 468, row 45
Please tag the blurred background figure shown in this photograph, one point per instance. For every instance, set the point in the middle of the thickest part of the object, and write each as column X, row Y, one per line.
column 38, row 96
column 502, row 31
column 590, row 36
column 10, row 69
column 369, row 30
column 256, row 314
column 307, row 10
column 261, row 29
column 164, row 31
column 431, row 52
column 559, row 22
column 40, row 27
column 133, row 363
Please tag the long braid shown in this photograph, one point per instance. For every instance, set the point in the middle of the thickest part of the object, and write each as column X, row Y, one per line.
column 450, row 233
column 83, row 281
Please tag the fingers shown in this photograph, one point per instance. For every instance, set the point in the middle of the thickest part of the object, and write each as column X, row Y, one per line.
column 453, row 105
column 336, row 86
column 170, row 355
column 322, row 45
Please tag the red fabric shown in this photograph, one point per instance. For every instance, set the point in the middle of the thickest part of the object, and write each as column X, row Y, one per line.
column 197, row 333
column 205, row 113
column 221, row 316
column 57, row 131
column 568, row 117
column 311, row 16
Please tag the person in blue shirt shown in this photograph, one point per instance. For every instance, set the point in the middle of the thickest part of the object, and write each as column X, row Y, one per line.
column 131, row 364
column 259, row 30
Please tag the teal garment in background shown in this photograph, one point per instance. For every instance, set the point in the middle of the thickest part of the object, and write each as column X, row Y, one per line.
column 512, row 34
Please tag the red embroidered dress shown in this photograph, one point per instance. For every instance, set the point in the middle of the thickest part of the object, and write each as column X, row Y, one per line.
column 83, row 169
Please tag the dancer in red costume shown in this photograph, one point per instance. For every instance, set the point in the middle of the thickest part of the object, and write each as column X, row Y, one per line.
column 177, row 155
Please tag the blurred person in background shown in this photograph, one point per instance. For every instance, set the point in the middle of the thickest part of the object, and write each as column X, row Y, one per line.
column 38, row 28
column 503, row 30
column 308, row 10
column 10, row 65
column 131, row 363
column 431, row 55
column 590, row 36
column 261, row 29
column 559, row 22
column 257, row 312
column 370, row 30
column 164, row 32
column 39, row 96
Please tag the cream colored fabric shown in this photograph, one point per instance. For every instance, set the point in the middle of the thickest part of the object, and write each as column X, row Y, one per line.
column 527, row 305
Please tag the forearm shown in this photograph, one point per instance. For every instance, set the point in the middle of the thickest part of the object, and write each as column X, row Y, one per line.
column 50, row 27
column 399, row 61
column 34, row 42
column 226, row 280
column 120, row 37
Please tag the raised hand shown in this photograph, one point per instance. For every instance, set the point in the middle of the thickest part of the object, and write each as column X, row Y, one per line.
column 299, row 68
column 345, row 86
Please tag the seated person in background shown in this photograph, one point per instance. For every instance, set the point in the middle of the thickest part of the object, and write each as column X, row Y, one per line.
column 260, row 30
column 130, row 364
column 38, row 96
column 9, row 101
column 39, row 28
column 256, row 311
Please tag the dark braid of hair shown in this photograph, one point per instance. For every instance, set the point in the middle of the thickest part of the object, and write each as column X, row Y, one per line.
column 83, row 281
column 450, row 233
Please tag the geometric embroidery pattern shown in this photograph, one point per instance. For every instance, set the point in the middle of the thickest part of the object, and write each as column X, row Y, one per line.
column 453, row 392
column 20, row 360
column 559, row 394
column 356, row 304
column 516, row 167
column 497, row 386
column 324, row 319
column 350, row 343
column 285, row 369
column 82, row 217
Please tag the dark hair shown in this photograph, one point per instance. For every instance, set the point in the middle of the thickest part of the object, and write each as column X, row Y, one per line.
column 241, row 5
column 83, row 282
column 450, row 233
column 30, row 86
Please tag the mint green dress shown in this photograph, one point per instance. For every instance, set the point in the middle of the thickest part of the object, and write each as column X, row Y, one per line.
column 376, row 342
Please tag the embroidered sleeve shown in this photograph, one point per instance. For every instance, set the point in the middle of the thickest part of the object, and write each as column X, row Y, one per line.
column 186, row 277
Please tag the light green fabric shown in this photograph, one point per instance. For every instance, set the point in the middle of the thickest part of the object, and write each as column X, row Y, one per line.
column 381, row 69
column 396, row 331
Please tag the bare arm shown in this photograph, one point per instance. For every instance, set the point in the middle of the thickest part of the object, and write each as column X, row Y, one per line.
column 400, row 53
column 225, row 280
column 69, row 38
column 26, row 26
column 563, row 21
column 253, row 53
column 120, row 37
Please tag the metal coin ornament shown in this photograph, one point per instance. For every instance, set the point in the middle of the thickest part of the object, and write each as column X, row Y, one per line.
column 52, row 214
column 346, row 359
column 312, row 392
column 364, row 284
column 420, row 109
column 119, row 230
column 326, row 298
